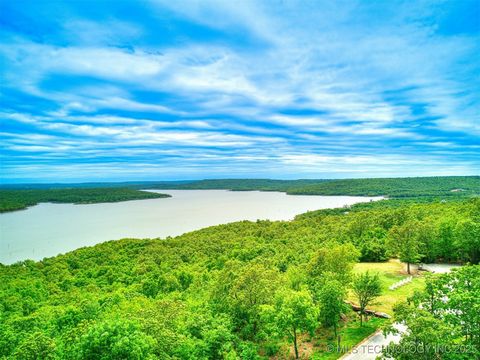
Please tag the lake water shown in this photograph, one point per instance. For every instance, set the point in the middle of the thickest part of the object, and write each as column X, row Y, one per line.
column 49, row 229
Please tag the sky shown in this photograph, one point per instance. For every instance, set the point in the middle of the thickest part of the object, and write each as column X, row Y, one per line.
column 164, row 90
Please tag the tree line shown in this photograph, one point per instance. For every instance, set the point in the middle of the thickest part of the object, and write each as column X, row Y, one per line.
column 18, row 199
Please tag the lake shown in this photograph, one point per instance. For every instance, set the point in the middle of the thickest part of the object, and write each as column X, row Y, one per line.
column 49, row 229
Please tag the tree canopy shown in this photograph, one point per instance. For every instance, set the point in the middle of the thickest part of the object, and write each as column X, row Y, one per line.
column 205, row 294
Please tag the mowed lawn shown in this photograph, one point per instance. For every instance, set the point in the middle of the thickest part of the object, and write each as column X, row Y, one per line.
column 390, row 272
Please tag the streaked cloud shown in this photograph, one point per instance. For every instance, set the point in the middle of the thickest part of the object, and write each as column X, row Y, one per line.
column 196, row 89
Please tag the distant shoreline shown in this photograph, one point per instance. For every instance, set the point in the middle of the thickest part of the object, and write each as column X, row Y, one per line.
column 16, row 200
column 17, row 197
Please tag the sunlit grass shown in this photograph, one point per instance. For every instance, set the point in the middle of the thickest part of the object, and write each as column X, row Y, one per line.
column 390, row 272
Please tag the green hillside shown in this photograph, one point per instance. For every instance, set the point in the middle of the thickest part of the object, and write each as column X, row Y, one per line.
column 396, row 187
column 215, row 293
column 11, row 200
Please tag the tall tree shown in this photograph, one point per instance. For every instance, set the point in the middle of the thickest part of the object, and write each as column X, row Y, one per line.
column 446, row 239
column 461, row 293
column 115, row 339
column 36, row 347
column 293, row 313
column 242, row 289
column 372, row 245
column 405, row 241
column 333, row 261
column 366, row 288
column 443, row 320
column 467, row 236
column 427, row 239
column 428, row 337
column 332, row 303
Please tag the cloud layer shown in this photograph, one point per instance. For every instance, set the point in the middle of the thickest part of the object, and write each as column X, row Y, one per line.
column 199, row 89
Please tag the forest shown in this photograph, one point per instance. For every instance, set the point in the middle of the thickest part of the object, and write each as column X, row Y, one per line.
column 18, row 199
column 254, row 290
column 442, row 186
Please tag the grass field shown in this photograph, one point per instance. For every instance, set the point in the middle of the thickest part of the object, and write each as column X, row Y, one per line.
column 390, row 272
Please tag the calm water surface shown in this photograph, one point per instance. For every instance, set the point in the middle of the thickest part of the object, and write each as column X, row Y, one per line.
column 49, row 229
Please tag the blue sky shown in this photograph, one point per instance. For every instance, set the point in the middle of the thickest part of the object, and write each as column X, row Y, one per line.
column 153, row 89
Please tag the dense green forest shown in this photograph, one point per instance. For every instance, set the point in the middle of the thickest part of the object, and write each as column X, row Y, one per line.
column 396, row 187
column 245, row 290
column 11, row 200
column 241, row 184
column 444, row 186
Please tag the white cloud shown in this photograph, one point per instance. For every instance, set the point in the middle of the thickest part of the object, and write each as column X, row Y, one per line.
column 39, row 60
column 334, row 70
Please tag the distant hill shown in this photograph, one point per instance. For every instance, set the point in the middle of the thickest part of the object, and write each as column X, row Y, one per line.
column 396, row 187
column 241, row 184
column 15, row 199
column 440, row 186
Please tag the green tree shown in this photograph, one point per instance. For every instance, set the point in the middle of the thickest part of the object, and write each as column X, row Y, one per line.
column 241, row 289
column 255, row 286
column 461, row 296
column 445, row 313
column 372, row 245
column 446, row 239
column 165, row 321
column 366, row 288
column 404, row 240
column 296, row 277
column 427, row 337
column 293, row 313
column 332, row 303
column 333, row 261
column 115, row 339
column 431, row 297
column 37, row 346
column 467, row 236
column 427, row 239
